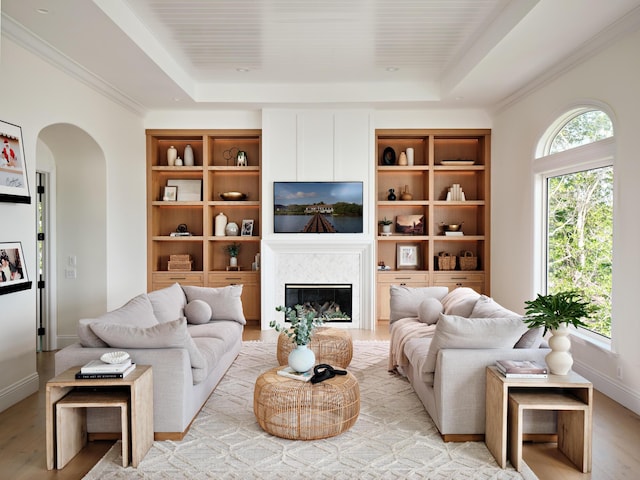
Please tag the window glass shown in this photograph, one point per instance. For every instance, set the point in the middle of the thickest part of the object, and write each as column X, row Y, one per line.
column 587, row 127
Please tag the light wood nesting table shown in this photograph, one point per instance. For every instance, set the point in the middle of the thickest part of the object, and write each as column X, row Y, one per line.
column 506, row 399
column 66, row 403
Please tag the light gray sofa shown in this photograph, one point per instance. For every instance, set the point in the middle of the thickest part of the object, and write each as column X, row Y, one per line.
column 189, row 335
column 443, row 341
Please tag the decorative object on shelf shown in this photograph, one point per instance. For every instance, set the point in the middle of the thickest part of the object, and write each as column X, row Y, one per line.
column 452, row 229
column 386, row 226
column 170, row 194
column 446, row 261
column 389, row 156
column 231, row 155
column 114, row 358
column 189, row 161
column 410, row 224
column 13, row 272
column 467, row 260
column 410, row 159
column 220, row 224
column 241, row 159
column 14, row 185
column 247, row 228
column 392, row 195
column 188, row 190
column 233, row 250
column 455, row 194
column 402, row 159
column 181, row 231
column 178, row 162
column 555, row 312
column 172, row 154
column 405, row 195
column 180, row 263
column 233, row 196
column 303, row 323
column 458, row 162
column 407, row 256
column 231, row 230
column 382, row 266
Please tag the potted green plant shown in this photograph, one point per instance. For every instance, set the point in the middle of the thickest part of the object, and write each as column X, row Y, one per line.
column 301, row 359
column 555, row 312
column 233, row 250
column 386, row 226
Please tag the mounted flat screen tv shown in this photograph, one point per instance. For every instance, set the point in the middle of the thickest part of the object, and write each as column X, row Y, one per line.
column 317, row 207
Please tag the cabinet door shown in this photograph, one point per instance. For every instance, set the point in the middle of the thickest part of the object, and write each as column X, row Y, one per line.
column 383, row 292
column 460, row 279
column 250, row 289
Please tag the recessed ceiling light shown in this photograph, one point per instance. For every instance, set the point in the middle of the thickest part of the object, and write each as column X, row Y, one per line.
column 392, row 69
column 43, row 11
column 242, row 70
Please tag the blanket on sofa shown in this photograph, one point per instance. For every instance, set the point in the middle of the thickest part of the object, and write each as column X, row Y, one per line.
column 404, row 330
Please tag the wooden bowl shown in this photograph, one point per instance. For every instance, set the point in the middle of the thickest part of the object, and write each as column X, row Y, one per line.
column 233, row 196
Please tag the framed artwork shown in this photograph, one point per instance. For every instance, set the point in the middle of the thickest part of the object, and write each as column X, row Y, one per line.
column 410, row 224
column 170, row 194
column 407, row 256
column 247, row 228
column 188, row 190
column 13, row 273
column 14, row 185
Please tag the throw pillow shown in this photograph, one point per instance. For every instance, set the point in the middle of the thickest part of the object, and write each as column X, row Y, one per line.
column 136, row 312
column 453, row 331
column 168, row 303
column 405, row 300
column 429, row 310
column 225, row 302
column 531, row 339
column 163, row 335
column 197, row 312
column 460, row 301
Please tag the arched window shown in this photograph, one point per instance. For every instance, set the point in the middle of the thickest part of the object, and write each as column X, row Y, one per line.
column 575, row 174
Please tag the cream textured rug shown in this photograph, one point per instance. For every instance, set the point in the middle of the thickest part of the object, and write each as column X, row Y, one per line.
column 393, row 438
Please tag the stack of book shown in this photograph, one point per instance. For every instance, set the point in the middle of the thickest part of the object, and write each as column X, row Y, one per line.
column 521, row 369
column 291, row 373
column 99, row 369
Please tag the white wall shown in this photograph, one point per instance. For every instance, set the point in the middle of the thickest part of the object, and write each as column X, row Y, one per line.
column 611, row 77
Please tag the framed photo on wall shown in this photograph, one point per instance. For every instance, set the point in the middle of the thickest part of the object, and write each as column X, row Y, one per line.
column 13, row 273
column 247, row 228
column 407, row 256
column 14, row 185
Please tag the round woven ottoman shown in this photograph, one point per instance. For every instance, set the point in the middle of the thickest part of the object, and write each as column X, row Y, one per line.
column 330, row 345
column 300, row 410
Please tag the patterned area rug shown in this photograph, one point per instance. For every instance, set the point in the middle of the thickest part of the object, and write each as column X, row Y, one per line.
column 393, row 438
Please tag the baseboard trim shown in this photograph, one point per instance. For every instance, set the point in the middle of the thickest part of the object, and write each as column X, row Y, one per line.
column 19, row 391
column 157, row 436
column 479, row 437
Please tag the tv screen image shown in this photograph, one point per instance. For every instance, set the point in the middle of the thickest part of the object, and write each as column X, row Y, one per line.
column 317, row 207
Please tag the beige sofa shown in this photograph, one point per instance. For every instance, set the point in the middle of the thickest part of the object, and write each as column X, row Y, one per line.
column 443, row 342
column 189, row 335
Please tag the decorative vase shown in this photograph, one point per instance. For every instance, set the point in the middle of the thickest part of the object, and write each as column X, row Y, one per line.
column 172, row 154
column 231, row 230
column 386, row 229
column 410, row 157
column 178, row 162
column 302, row 358
column 188, row 156
column 220, row 224
column 392, row 195
column 233, row 261
column 406, row 195
column 241, row 159
column 402, row 159
column 559, row 360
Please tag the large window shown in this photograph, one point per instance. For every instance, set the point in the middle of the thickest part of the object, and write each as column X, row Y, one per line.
column 576, row 168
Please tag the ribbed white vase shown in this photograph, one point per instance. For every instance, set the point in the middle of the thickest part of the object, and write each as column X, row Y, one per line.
column 302, row 358
column 559, row 360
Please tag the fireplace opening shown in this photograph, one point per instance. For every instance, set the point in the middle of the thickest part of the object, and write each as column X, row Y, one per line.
column 333, row 300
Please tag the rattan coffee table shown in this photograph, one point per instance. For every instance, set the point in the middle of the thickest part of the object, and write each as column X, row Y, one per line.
column 300, row 410
column 330, row 345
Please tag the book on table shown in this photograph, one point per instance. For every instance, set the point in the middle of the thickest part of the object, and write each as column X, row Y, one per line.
column 105, row 375
column 521, row 369
column 291, row 373
column 98, row 366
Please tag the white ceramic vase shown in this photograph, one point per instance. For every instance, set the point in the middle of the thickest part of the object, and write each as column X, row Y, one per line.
column 220, row 225
column 302, row 358
column 386, row 229
column 188, row 156
column 233, row 261
column 172, row 154
column 559, row 360
column 231, row 230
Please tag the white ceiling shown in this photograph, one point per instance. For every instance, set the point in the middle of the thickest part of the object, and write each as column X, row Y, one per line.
column 157, row 54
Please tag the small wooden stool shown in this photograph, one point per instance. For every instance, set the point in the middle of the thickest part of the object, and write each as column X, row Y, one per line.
column 574, row 425
column 330, row 345
column 71, row 421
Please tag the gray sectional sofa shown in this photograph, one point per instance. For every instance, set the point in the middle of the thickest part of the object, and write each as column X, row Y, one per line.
column 443, row 341
column 189, row 335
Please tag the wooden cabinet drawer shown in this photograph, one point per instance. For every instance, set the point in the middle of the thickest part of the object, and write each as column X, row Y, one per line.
column 460, row 279
column 166, row 279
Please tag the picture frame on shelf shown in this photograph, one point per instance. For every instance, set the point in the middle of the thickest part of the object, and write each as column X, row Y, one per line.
column 14, row 184
column 189, row 190
column 407, row 256
column 410, row 224
column 13, row 272
column 247, row 228
column 170, row 194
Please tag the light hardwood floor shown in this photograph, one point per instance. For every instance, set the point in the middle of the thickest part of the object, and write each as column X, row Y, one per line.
column 616, row 436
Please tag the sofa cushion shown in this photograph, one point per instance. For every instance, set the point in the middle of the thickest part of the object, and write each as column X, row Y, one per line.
column 225, row 302
column 460, row 301
column 405, row 300
column 168, row 303
column 453, row 331
column 429, row 310
column 136, row 312
column 162, row 335
column 197, row 312
column 223, row 329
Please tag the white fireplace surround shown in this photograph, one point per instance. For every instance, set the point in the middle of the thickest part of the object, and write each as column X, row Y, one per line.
column 316, row 261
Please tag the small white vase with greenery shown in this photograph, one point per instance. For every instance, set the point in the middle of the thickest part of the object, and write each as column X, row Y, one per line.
column 386, row 226
column 301, row 359
column 555, row 312
column 233, row 250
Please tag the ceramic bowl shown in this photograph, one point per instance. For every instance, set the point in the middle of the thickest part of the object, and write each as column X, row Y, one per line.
column 114, row 357
column 233, row 196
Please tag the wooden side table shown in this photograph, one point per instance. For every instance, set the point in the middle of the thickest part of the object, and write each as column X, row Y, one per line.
column 559, row 390
column 138, row 389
